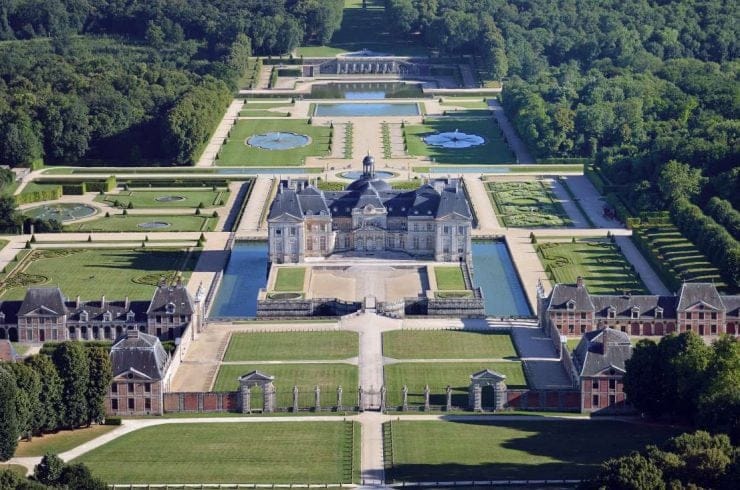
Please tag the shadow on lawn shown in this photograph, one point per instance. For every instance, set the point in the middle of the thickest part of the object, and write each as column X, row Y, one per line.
column 162, row 260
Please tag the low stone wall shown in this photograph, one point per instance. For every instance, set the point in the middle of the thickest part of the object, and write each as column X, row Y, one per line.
column 300, row 308
column 554, row 400
column 201, row 402
column 445, row 307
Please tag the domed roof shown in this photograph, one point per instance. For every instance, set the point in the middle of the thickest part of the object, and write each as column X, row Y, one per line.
column 368, row 160
column 363, row 184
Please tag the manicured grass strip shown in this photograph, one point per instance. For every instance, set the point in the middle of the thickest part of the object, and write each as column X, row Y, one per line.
column 493, row 151
column 61, row 441
column 284, row 452
column 290, row 346
column 131, row 222
column 290, row 279
column 304, row 376
column 91, row 273
column 600, row 263
column 447, row 344
column 166, row 198
column 449, row 278
column 439, row 375
column 445, row 451
column 236, row 152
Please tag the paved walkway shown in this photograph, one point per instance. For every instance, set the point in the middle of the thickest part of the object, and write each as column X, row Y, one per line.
column 258, row 199
column 208, row 157
column 570, row 207
column 590, row 199
column 515, row 143
column 481, row 204
column 647, row 274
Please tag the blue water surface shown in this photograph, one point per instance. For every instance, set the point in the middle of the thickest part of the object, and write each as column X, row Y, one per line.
column 494, row 273
column 245, row 274
column 370, row 109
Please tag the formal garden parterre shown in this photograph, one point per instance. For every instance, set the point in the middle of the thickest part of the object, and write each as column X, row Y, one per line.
column 166, row 198
column 527, row 204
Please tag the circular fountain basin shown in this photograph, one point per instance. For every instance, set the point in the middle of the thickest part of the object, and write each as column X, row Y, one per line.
column 62, row 212
column 153, row 225
column 278, row 141
column 454, row 139
column 169, row 198
column 356, row 174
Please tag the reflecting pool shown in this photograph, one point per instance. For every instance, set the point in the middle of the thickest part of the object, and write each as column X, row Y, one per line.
column 278, row 141
column 245, row 274
column 371, row 109
column 366, row 90
column 494, row 273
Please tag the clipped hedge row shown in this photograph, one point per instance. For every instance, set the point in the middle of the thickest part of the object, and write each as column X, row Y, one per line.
column 36, row 196
column 74, row 189
column 670, row 277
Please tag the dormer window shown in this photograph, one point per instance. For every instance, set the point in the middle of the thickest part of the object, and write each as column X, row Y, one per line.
column 107, row 316
column 659, row 313
column 84, row 316
column 571, row 305
column 130, row 316
column 170, row 308
column 611, row 312
column 635, row 312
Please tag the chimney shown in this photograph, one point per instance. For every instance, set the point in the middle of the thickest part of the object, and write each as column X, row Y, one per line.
column 77, row 301
column 126, row 304
column 579, row 282
column 102, row 302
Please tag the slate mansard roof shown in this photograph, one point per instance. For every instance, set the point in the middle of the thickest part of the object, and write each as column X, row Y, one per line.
column 649, row 305
column 43, row 301
column 141, row 353
column 600, row 350
column 172, row 300
column 437, row 199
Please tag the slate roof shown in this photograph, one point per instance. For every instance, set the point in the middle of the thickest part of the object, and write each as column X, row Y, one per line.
column 562, row 293
column 10, row 310
column 693, row 293
column 176, row 295
column 436, row 199
column 732, row 304
column 140, row 352
column 47, row 301
column 95, row 310
column 623, row 304
column 601, row 349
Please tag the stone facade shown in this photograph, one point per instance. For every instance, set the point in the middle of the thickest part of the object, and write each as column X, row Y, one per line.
column 45, row 315
column 570, row 310
column 433, row 221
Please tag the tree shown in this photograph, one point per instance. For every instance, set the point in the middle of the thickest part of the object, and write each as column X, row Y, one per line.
column 70, row 360
column 31, row 414
column 50, row 397
column 680, row 180
column 9, row 430
column 78, row 476
column 49, row 470
column 633, row 472
column 719, row 402
column 643, row 380
column 99, row 383
column 20, row 145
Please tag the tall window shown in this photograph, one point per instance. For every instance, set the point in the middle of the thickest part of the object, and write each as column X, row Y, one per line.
column 595, row 401
column 131, row 404
column 612, row 384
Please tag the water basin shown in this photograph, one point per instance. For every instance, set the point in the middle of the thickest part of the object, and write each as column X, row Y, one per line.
column 371, row 109
column 494, row 273
column 366, row 90
column 153, row 225
column 356, row 174
column 62, row 213
column 169, row 198
column 278, row 141
column 245, row 275
column 441, row 169
column 454, row 140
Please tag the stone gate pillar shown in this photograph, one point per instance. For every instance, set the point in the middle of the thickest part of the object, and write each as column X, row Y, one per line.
column 317, row 398
column 405, row 395
column 426, row 398
column 268, row 405
column 246, row 396
column 475, row 398
column 295, row 399
column 499, row 391
column 449, row 398
column 382, row 398
column 360, row 401
column 339, row 398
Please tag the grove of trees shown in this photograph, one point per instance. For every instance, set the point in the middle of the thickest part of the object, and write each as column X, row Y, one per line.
column 46, row 393
column 52, row 473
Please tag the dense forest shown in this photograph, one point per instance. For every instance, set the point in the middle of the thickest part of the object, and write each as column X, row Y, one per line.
column 137, row 81
column 648, row 89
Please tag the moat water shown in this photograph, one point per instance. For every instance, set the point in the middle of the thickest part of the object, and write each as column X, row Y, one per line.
column 245, row 274
column 495, row 274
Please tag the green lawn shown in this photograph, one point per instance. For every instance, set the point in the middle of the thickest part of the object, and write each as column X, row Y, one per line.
column 61, row 441
column 447, row 344
column 366, row 29
column 600, row 263
column 236, row 152
column 290, row 346
column 439, row 375
column 167, row 198
column 465, row 102
column 493, row 151
column 20, row 349
column 290, row 279
column 434, row 451
column 449, row 278
column 284, row 452
column 131, row 222
column 304, row 376
column 528, row 204
column 91, row 273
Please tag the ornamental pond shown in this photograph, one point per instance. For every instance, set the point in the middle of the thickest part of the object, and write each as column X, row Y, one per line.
column 366, row 90
column 366, row 109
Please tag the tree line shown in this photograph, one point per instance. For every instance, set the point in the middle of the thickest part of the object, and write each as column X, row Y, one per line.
column 63, row 390
column 52, row 473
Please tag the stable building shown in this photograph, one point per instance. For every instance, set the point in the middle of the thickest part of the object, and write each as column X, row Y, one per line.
column 570, row 310
column 433, row 221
